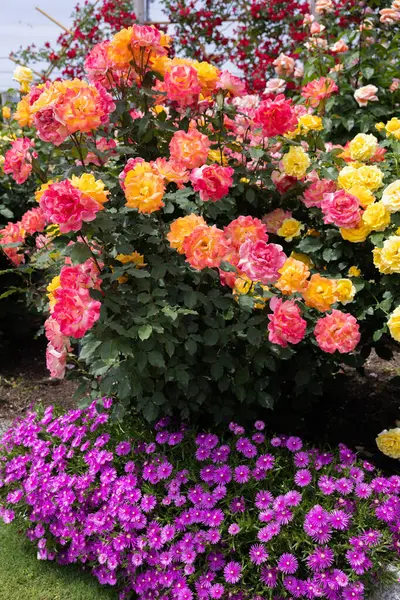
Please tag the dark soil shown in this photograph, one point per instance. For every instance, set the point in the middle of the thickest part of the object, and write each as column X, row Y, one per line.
column 24, row 381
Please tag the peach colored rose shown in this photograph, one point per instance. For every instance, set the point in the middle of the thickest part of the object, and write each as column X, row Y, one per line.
column 366, row 94
column 284, row 65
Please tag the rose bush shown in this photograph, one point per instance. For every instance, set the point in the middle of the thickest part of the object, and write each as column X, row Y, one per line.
column 196, row 239
column 179, row 514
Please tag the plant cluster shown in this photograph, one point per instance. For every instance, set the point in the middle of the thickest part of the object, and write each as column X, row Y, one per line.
column 177, row 515
column 195, row 238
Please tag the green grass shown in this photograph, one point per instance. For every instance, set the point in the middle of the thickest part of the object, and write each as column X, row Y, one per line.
column 23, row 577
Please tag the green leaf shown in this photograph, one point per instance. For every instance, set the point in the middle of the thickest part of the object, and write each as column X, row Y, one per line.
column 150, row 411
column 254, row 336
column 156, row 359
column 302, row 377
column 191, row 346
column 211, row 337
column 145, row 332
column 79, row 252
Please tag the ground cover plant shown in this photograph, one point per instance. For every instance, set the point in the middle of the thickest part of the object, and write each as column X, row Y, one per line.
column 195, row 238
column 175, row 514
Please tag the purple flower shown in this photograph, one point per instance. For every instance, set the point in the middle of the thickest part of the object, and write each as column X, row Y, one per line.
column 294, row 444
column 233, row 529
column 266, row 533
column 241, row 474
column 288, row 564
column 320, row 559
column 216, row 591
column 233, row 572
column 259, row 425
column 303, row 477
column 269, row 576
column 263, row 499
column 292, row 498
column 301, row 459
column 237, row 505
column 326, row 485
column 265, row 462
column 123, row 448
column 339, row 520
column 258, row 554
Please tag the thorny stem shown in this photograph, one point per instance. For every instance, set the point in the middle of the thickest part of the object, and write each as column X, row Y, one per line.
column 91, row 252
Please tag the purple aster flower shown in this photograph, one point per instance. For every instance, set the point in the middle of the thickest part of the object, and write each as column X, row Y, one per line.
column 266, row 533
column 234, row 529
column 347, row 457
column 222, row 474
column 303, row 477
column 301, row 459
column 258, row 554
column 265, row 462
column 288, row 563
column 292, row 498
column 371, row 537
column 221, row 454
column 216, row 561
column 344, row 486
column 266, row 516
column 123, row 448
column 276, row 442
column 202, row 453
column 326, row 485
column 339, row 520
column 263, row 499
column 269, row 576
column 283, row 516
column 233, row 572
column 259, row 425
column 241, row 474
column 340, row 577
column 320, row 559
column 294, row 444
column 354, row 591
column 175, row 439
column 355, row 558
column 216, row 591
column 237, row 505
column 258, row 438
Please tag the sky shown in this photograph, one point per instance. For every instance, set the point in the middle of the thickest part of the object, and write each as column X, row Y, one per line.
column 21, row 25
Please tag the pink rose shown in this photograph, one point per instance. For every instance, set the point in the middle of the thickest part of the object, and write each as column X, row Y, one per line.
column 366, row 94
column 212, row 181
column 56, row 362
column 58, row 341
column 282, row 181
column 286, row 326
column 33, row 221
column 337, row 331
column 230, row 83
column 66, row 206
column 49, row 129
column 261, row 261
column 314, row 194
column 274, row 219
column 341, row 208
column 18, row 159
column 182, row 85
column 84, row 275
column 75, row 311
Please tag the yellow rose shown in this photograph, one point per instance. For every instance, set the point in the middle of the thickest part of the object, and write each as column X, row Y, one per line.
column 354, row 272
column 388, row 442
column 94, row 188
column 380, row 126
column 296, row 162
column 387, row 258
column 290, row 229
column 394, row 324
column 293, row 277
column 6, row 112
column 51, row 288
column 370, row 176
column 320, row 293
column 23, row 114
column 144, row 189
column 393, row 128
column 364, row 195
column 363, row 146
column 208, row 77
column 135, row 258
column 245, row 286
column 348, row 177
column 23, row 75
column 391, row 196
column 344, row 291
column 376, row 216
column 310, row 123
column 214, row 156
column 357, row 234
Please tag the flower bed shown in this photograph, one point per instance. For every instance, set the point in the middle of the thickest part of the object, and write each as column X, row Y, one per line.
column 175, row 514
